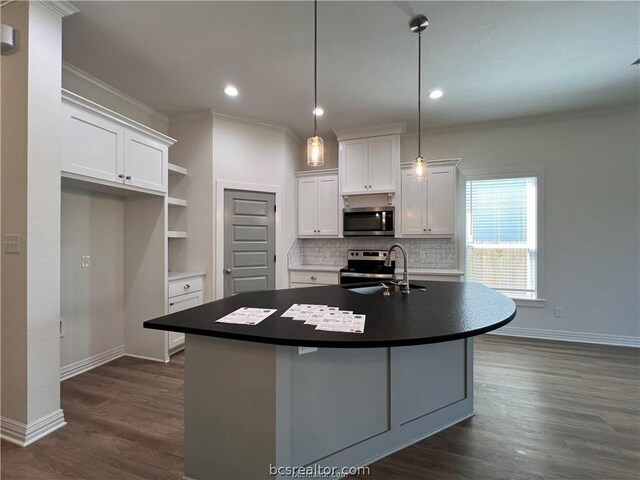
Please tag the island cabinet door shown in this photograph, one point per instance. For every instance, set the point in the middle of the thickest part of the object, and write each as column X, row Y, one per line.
column 339, row 398
column 426, row 378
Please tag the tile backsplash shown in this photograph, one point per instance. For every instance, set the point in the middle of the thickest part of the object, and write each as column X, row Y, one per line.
column 423, row 252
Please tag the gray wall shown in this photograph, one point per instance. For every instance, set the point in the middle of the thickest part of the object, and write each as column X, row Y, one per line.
column 92, row 299
column 591, row 215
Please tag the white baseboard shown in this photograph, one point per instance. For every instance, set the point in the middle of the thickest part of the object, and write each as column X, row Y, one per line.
column 142, row 357
column 564, row 336
column 94, row 361
column 22, row 434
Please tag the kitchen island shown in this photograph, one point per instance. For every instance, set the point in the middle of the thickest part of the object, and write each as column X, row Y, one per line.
column 253, row 402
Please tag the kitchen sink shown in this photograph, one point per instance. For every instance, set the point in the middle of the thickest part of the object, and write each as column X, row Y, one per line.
column 379, row 288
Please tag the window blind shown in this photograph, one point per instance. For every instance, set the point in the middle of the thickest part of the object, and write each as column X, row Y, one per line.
column 501, row 242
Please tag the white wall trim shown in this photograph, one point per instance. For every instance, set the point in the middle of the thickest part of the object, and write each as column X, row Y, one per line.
column 91, row 362
column 21, row 434
column 151, row 359
column 191, row 116
column 62, row 8
column 76, row 72
column 221, row 186
column 564, row 336
column 79, row 101
column 313, row 173
column 372, row 131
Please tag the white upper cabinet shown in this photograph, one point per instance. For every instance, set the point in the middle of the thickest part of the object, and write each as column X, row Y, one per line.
column 146, row 164
column 441, row 200
column 102, row 146
column 384, row 164
column 428, row 206
column 318, row 206
column 91, row 146
column 369, row 164
column 354, row 166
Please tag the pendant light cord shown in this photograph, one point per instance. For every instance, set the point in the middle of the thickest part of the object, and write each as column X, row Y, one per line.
column 419, row 90
column 315, row 67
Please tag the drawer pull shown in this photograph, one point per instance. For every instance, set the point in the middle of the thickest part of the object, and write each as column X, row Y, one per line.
column 128, row 177
column 172, row 304
column 313, row 277
column 121, row 175
column 186, row 286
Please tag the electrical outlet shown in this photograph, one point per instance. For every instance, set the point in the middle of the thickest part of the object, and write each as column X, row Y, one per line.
column 86, row 261
column 557, row 312
column 12, row 243
column 304, row 350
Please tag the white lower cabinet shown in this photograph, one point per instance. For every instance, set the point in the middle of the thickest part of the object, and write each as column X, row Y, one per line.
column 184, row 293
column 309, row 278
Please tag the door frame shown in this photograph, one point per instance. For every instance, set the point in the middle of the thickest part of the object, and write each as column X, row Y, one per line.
column 221, row 186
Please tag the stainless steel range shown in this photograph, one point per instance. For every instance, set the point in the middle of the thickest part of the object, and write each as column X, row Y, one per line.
column 366, row 266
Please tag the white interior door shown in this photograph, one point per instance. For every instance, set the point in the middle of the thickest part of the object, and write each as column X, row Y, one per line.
column 307, row 198
column 327, row 206
column 382, row 164
column 145, row 162
column 414, row 205
column 440, row 200
column 91, row 146
column 353, row 166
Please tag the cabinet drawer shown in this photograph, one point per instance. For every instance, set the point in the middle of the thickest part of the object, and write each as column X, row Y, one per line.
column 185, row 285
column 183, row 302
column 326, row 278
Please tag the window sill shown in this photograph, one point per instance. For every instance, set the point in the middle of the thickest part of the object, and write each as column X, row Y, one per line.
column 530, row 302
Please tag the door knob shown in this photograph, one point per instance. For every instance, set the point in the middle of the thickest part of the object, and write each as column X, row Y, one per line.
column 128, row 177
column 121, row 175
column 227, row 271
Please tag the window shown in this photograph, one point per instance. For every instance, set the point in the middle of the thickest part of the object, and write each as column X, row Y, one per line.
column 501, row 234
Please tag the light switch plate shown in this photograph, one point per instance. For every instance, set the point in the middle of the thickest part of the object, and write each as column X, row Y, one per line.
column 11, row 243
column 86, row 261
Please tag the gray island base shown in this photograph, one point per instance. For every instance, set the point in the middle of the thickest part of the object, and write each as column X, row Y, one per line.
column 253, row 407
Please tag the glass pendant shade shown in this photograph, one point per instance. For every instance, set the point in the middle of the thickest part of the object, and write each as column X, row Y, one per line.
column 315, row 151
column 419, row 168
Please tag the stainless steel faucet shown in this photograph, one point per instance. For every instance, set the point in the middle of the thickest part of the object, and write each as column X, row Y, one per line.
column 404, row 284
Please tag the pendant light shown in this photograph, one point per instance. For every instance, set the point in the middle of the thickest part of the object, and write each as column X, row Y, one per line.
column 418, row 25
column 315, row 144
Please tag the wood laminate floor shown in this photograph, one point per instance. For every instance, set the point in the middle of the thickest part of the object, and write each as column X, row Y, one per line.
column 544, row 410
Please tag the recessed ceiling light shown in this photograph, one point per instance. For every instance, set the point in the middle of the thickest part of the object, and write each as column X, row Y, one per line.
column 436, row 93
column 231, row 91
column 318, row 112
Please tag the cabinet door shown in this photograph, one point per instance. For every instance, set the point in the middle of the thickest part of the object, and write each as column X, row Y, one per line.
column 177, row 304
column 383, row 164
column 307, row 199
column 91, row 146
column 327, row 206
column 353, row 166
column 414, row 205
column 146, row 162
column 440, row 200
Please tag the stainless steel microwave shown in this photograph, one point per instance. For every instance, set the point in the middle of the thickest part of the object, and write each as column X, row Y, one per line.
column 368, row 221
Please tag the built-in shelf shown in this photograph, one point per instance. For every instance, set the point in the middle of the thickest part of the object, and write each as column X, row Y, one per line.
column 176, row 202
column 176, row 234
column 176, row 169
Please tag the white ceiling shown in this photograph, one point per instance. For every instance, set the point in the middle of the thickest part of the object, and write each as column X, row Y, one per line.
column 494, row 60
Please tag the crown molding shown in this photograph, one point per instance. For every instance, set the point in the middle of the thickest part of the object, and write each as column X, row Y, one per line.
column 191, row 116
column 438, row 162
column 531, row 120
column 92, row 107
column 372, row 131
column 76, row 72
column 314, row 173
column 62, row 8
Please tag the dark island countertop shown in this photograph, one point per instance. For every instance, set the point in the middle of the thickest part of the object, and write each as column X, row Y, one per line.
column 445, row 311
